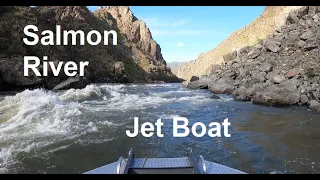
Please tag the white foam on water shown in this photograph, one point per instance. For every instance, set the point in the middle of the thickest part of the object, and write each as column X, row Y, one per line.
column 81, row 94
column 34, row 119
column 195, row 99
column 5, row 157
column 169, row 116
column 41, row 118
column 113, row 87
column 276, row 172
column 58, row 148
column 159, row 85
column 111, row 123
column 120, row 99
column 125, row 102
column 225, row 98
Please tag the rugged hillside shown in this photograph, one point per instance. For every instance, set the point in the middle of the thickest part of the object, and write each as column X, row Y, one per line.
column 271, row 19
column 136, row 58
column 283, row 69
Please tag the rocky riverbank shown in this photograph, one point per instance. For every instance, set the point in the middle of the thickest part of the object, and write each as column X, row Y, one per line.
column 281, row 70
column 136, row 58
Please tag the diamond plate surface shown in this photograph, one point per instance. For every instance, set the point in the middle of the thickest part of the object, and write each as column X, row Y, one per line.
column 161, row 163
column 212, row 168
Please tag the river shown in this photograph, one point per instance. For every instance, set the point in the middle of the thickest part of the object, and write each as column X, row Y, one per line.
column 74, row 131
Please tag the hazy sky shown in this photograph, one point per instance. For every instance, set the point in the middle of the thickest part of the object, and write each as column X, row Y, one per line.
column 184, row 32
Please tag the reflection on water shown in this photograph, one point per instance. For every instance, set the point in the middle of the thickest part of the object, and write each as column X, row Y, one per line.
column 74, row 131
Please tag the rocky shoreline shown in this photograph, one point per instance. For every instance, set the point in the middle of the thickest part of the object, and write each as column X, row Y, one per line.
column 281, row 70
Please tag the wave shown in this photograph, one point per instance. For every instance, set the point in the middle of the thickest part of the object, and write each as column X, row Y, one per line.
column 32, row 120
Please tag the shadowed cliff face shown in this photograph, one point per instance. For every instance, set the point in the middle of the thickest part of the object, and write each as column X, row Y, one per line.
column 270, row 20
column 136, row 58
column 138, row 35
column 133, row 29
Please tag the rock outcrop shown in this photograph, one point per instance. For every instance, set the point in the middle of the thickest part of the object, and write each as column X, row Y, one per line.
column 139, row 36
column 270, row 20
column 135, row 30
column 281, row 70
column 136, row 58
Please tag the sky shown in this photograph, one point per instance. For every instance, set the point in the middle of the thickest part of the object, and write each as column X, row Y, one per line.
column 184, row 32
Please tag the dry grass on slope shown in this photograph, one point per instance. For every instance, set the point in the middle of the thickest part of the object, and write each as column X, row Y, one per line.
column 271, row 19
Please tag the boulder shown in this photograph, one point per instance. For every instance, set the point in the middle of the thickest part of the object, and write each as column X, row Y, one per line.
column 246, row 82
column 307, row 35
column 304, row 99
column 194, row 78
column 278, row 78
column 304, row 89
column 276, row 99
column 291, row 28
column 278, row 37
column 258, row 76
column 265, row 67
column 315, row 93
column 229, row 74
column 292, row 73
column 199, row 84
column 293, row 36
column 244, row 51
column 273, row 46
column 292, row 18
column 221, row 88
column 301, row 43
column 316, row 18
column 313, row 10
column 76, row 82
column 260, row 87
column 215, row 68
column 255, row 52
column 314, row 105
column 310, row 44
column 290, row 84
column 213, row 96
column 279, row 94
column 185, row 83
column 309, row 23
column 241, row 94
column 243, row 72
column 302, row 11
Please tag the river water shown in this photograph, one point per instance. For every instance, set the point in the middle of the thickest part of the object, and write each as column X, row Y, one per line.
column 74, row 131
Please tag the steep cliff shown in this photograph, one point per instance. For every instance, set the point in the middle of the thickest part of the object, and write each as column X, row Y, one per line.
column 136, row 58
column 270, row 20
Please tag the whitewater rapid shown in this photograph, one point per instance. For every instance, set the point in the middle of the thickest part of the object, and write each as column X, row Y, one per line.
column 32, row 120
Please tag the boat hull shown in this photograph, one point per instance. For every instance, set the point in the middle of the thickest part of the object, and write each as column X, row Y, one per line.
column 165, row 166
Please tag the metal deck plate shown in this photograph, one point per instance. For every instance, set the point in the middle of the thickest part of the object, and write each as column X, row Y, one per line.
column 161, row 163
column 212, row 168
